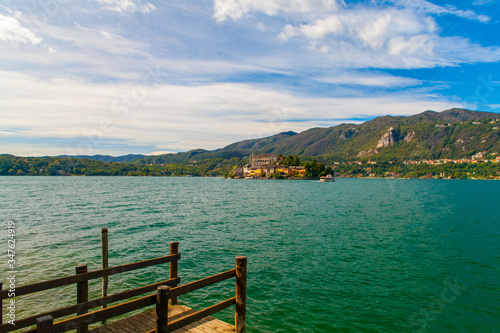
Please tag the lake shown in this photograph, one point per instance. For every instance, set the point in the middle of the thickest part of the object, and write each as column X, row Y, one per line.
column 356, row 255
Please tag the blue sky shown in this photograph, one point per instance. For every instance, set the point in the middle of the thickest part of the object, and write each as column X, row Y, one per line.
column 137, row 76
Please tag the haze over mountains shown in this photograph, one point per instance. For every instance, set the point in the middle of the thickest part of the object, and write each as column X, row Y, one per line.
column 453, row 133
column 108, row 158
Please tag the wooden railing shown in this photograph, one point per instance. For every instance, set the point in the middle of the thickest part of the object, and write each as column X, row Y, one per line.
column 166, row 293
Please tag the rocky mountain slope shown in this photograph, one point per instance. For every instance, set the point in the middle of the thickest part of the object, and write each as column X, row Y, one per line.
column 454, row 133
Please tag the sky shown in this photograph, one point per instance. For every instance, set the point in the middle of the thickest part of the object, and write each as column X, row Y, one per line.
column 149, row 77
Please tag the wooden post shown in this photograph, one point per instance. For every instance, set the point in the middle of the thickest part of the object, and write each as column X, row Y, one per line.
column 82, row 295
column 162, row 309
column 45, row 324
column 174, row 267
column 1, row 305
column 241, row 294
column 104, row 260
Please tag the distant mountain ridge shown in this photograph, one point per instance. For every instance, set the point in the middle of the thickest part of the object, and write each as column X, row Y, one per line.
column 428, row 135
column 454, row 133
column 258, row 144
column 108, row 158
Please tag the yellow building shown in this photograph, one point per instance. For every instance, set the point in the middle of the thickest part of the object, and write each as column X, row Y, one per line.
column 255, row 172
column 298, row 170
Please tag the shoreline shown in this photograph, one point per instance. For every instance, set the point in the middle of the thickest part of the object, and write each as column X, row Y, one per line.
column 295, row 178
column 339, row 177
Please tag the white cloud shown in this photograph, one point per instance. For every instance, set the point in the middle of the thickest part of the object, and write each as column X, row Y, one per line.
column 87, row 39
column 11, row 30
column 169, row 117
column 374, row 32
column 386, row 38
column 459, row 50
column 369, row 80
column 317, row 30
column 371, row 38
column 423, row 44
column 482, row 2
column 78, row 51
column 149, row 7
column 235, row 9
column 126, row 6
column 431, row 8
column 402, row 35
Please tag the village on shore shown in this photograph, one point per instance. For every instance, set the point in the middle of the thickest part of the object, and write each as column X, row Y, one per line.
column 268, row 166
column 271, row 166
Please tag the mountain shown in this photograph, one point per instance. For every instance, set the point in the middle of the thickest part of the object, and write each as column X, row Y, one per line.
column 453, row 133
column 446, row 134
column 258, row 144
column 238, row 149
column 107, row 158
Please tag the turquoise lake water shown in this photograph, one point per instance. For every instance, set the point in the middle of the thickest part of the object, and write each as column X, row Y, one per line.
column 357, row 255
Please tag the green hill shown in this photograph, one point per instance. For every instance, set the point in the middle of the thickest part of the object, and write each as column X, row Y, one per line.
column 454, row 133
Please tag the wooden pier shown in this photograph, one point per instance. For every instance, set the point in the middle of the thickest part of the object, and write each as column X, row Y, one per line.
column 166, row 316
column 146, row 321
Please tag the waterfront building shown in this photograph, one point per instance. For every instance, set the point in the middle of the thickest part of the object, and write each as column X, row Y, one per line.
column 262, row 160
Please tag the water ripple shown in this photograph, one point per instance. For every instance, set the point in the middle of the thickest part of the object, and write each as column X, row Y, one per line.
column 351, row 256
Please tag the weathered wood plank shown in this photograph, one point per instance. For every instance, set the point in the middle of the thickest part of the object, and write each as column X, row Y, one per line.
column 136, row 324
column 196, row 327
column 208, row 324
column 148, row 318
column 128, row 328
column 146, row 322
column 200, row 314
column 218, row 324
column 201, row 325
column 101, row 329
column 115, row 328
column 103, row 314
column 174, row 312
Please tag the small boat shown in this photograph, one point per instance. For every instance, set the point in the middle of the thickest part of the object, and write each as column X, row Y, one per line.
column 327, row 179
column 189, row 176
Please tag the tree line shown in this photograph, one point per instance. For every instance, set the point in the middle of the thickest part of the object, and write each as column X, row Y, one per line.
column 54, row 166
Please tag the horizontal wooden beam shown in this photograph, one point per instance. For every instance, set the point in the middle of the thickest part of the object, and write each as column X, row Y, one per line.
column 29, row 321
column 100, row 315
column 40, row 286
column 194, row 317
column 189, row 287
column 104, row 314
column 200, row 314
